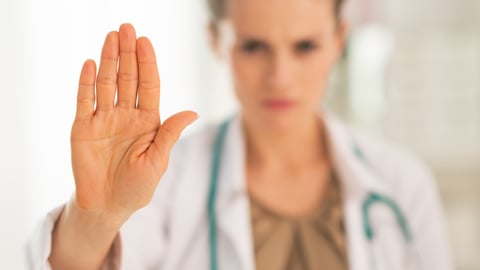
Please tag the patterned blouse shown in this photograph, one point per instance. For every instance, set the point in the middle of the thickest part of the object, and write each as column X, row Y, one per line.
column 314, row 242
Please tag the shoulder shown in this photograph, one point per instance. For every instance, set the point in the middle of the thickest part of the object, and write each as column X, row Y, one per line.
column 405, row 174
column 391, row 160
column 386, row 159
column 393, row 167
column 414, row 188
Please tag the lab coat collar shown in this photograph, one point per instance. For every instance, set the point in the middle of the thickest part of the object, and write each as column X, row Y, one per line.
column 355, row 172
column 232, row 204
column 356, row 179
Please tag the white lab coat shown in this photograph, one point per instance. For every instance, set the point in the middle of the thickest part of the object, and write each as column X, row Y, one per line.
column 171, row 232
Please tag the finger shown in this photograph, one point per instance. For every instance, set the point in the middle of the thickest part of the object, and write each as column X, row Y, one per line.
column 128, row 69
column 149, row 79
column 86, row 91
column 169, row 133
column 107, row 74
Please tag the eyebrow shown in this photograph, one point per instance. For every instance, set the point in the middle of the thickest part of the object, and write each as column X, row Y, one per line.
column 314, row 36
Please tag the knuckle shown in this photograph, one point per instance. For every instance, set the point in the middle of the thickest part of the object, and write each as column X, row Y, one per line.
column 108, row 59
column 106, row 80
column 127, row 76
column 103, row 106
column 148, row 85
column 85, row 84
column 170, row 134
column 86, row 101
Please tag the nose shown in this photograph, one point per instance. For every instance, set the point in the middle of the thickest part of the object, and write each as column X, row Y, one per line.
column 280, row 72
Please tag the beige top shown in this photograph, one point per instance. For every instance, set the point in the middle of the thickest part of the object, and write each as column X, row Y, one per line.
column 313, row 242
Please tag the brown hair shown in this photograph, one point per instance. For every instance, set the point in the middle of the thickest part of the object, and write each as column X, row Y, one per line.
column 217, row 9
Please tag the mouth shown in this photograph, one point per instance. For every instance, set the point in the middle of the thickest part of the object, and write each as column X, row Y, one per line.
column 278, row 104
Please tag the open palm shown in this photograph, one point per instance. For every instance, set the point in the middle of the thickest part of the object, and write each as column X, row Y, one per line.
column 120, row 149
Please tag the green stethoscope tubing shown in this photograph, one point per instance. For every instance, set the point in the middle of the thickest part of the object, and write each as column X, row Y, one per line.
column 212, row 194
column 372, row 198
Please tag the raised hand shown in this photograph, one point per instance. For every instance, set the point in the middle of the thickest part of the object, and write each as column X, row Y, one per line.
column 119, row 148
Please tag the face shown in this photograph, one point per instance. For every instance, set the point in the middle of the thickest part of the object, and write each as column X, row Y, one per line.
column 281, row 53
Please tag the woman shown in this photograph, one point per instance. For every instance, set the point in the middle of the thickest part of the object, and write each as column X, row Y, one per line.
column 279, row 186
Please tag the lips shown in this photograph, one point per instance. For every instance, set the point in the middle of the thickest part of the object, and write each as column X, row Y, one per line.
column 278, row 104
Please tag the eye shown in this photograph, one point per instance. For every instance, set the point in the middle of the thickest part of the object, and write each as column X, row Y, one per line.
column 306, row 46
column 253, row 46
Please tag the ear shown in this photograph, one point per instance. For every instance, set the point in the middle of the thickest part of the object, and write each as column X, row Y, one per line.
column 213, row 34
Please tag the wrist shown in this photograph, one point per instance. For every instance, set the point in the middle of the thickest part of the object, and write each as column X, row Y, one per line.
column 96, row 219
column 86, row 232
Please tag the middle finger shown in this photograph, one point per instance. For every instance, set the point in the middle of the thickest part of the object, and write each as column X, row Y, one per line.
column 128, row 69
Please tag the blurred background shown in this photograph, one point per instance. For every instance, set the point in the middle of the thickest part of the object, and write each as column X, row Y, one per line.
column 410, row 74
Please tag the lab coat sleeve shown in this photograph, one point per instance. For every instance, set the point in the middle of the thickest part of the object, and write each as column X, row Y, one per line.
column 142, row 241
column 39, row 246
column 140, row 244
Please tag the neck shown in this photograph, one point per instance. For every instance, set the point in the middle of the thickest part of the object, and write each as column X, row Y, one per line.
column 296, row 147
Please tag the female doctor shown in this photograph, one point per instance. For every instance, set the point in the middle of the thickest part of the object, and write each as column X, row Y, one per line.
column 278, row 186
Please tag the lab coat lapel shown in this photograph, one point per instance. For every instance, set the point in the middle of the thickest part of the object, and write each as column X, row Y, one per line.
column 235, row 245
column 188, row 217
column 234, row 228
column 356, row 180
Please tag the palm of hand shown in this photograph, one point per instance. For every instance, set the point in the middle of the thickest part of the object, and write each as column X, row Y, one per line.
column 110, row 151
column 120, row 151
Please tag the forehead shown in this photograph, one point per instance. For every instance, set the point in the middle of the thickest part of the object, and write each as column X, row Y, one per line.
column 286, row 19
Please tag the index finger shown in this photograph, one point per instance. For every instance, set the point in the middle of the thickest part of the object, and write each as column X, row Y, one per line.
column 149, row 79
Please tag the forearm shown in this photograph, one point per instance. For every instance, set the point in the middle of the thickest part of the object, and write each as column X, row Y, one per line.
column 81, row 240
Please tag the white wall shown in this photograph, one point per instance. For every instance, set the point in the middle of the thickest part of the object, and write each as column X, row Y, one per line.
column 13, row 208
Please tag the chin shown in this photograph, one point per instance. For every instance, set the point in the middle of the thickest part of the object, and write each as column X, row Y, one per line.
column 278, row 122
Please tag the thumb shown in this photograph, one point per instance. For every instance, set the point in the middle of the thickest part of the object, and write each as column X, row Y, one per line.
column 169, row 132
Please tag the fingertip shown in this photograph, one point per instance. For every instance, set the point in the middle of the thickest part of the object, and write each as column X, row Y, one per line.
column 87, row 63
column 126, row 25
column 183, row 119
column 111, row 46
column 195, row 115
column 127, row 30
column 190, row 117
column 145, row 48
column 90, row 62
column 144, row 42
column 143, row 38
column 89, row 67
column 112, row 36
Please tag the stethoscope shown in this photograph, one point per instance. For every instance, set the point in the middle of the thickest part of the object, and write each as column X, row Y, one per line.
column 372, row 198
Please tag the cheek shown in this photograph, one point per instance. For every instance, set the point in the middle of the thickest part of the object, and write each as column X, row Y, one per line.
column 315, row 76
column 247, row 72
column 320, row 65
